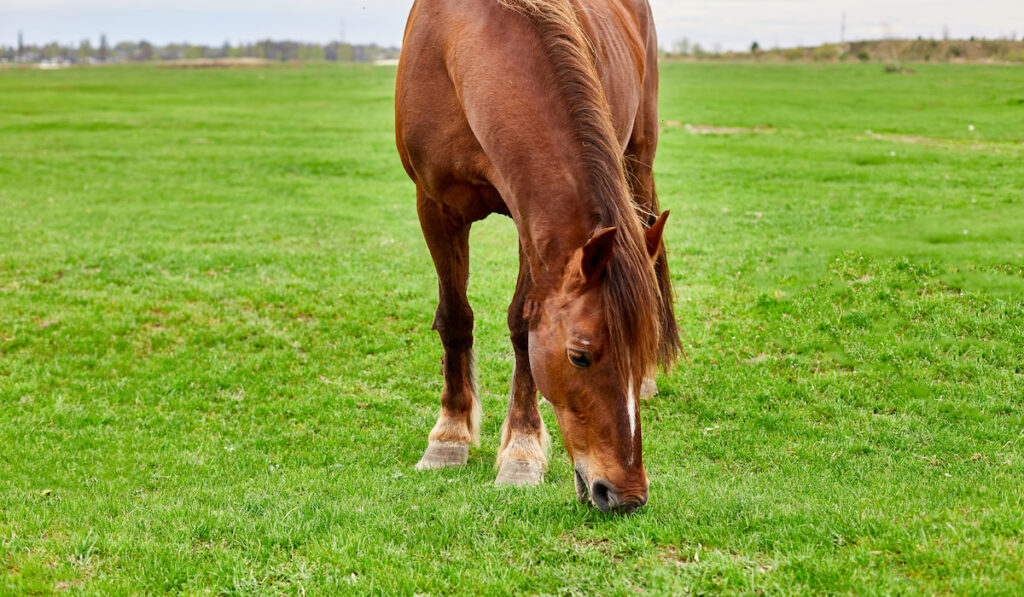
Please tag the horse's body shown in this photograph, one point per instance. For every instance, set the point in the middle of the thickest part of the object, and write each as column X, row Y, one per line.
column 530, row 108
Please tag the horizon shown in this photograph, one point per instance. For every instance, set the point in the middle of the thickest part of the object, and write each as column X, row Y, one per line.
column 710, row 23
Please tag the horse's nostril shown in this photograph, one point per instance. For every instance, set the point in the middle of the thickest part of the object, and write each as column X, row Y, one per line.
column 604, row 495
column 607, row 498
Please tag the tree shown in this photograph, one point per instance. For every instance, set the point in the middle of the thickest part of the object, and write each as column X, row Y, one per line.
column 682, row 47
column 51, row 50
column 345, row 53
column 103, row 47
column 755, row 47
column 84, row 50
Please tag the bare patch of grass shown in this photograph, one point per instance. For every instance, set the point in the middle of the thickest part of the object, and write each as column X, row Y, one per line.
column 709, row 129
column 244, row 62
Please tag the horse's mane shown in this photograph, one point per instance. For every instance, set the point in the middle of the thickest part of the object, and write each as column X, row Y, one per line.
column 631, row 299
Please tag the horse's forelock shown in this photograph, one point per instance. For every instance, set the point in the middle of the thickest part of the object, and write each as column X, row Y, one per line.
column 631, row 312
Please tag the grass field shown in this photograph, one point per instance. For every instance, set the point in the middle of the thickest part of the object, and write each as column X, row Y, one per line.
column 217, row 368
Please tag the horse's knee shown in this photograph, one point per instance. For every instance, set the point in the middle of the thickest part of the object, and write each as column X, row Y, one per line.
column 455, row 326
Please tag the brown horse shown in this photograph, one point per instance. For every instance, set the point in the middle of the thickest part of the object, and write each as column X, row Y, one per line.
column 545, row 111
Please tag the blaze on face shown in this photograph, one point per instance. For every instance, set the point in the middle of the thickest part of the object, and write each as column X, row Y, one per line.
column 596, row 407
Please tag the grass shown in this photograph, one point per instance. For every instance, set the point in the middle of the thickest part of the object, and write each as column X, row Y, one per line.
column 217, row 368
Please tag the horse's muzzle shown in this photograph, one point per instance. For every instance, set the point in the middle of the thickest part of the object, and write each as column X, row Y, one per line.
column 609, row 498
column 606, row 496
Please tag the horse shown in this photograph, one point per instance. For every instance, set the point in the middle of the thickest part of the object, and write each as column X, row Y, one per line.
column 544, row 111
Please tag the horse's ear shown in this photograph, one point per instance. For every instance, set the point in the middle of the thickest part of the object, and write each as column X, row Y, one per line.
column 653, row 235
column 596, row 254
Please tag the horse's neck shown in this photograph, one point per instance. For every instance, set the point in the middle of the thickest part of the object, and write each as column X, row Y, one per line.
column 552, row 227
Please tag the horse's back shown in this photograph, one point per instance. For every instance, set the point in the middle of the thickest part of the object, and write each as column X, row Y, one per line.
column 474, row 73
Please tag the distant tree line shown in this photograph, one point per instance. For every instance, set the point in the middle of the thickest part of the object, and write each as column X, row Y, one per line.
column 884, row 50
column 143, row 51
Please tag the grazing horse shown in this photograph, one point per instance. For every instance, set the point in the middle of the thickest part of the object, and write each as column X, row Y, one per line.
column 544, row 111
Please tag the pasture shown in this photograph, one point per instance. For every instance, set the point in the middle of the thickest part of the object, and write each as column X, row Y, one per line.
column 217, row 368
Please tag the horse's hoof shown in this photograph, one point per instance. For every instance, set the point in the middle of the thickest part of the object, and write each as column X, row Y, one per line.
column 649, row 388
column 520, row 472
column 440, row 454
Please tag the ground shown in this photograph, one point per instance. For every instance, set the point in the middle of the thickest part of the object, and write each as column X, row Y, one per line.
column 217, row 369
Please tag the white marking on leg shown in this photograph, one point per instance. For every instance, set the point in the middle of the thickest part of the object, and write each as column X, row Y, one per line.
column 505, row 430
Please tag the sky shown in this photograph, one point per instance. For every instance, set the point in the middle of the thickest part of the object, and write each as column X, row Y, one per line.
column 721, row 24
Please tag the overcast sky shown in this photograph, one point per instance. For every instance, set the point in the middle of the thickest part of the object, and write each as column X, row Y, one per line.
column 729, row 24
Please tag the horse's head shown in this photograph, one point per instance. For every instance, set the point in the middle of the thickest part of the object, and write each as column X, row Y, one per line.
column 590, row 346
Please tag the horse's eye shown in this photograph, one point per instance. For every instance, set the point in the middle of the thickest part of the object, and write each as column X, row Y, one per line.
column 578, row 358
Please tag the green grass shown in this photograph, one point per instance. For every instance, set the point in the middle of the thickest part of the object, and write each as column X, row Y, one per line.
column 217, row 368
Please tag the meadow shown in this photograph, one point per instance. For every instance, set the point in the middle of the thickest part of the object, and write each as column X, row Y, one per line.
column 217, row 368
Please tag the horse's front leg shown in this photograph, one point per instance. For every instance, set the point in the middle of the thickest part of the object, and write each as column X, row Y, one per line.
column 522, row 457
column 458, row 425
